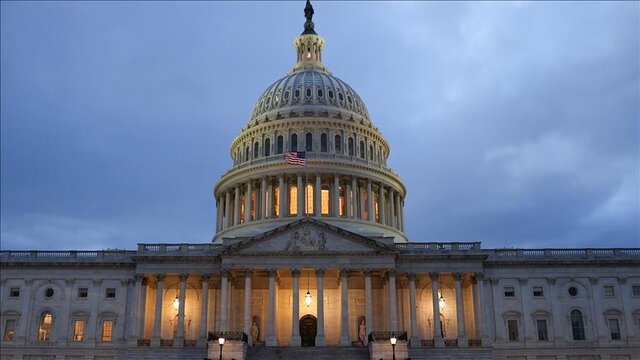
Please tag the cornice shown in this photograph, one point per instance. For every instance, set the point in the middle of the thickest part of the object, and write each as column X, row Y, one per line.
column 561, row 263
column 70, row 265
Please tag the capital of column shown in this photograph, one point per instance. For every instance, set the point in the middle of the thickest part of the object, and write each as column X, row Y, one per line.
column 224, row 273
column 320, row 272
column 367, row 272
column 434, row 276
column 391, row 273
column 123, row 282
column 344, row 272
column 205, row 277
column 160, row 276
column 622, row 280
column 523, row 280
column 479, row 276
column 96, row 282
column 411, row 277
column 138, row 277
column 183, row 276
column 295, row 273
column 273, row 273
column 248, row 273
column 593, row 280
column 457, row 276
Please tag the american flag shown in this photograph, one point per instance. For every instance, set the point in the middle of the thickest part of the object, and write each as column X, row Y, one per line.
column 295, row 158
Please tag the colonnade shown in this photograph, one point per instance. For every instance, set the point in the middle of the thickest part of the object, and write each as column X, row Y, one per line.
column 299, row 194
column 224, row 306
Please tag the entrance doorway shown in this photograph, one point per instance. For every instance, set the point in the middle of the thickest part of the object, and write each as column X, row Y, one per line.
column 308, row 330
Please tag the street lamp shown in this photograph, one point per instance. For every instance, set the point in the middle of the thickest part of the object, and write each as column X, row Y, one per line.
column 393, row 346
column 221, row 342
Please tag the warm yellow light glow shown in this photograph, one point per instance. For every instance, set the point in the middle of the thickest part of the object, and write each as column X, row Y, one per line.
column 293, row 200
column 309, row 199
column 441, row 301
column 221, row 341
column 393, row 340
column 308, row 55
column 176, row 303
column 324, row 195
column 307, row 299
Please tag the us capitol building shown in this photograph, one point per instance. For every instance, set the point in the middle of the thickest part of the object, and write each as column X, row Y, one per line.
column 312, row 262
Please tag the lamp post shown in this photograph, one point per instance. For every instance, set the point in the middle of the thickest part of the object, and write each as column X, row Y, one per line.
column 393, row 346
column 221, row 342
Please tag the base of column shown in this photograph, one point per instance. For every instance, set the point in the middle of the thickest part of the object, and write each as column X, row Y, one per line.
column 295, row 340
column 438, row 341
column 486, row 341
column 415, row 342
column 201, row 342
column 178, row 342
column 155, row 342
column 271, row 341
column 320, row 340
column 463, row 342
column 344, row 341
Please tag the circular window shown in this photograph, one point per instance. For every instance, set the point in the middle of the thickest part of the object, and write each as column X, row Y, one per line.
column 573, row 291
column 48, row 293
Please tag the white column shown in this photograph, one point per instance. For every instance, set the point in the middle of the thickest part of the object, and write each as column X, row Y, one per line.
column 437, row 327
column 344, row 301
column 400, row 213
column 347, row 200
column 263, row 199
column 392, row 203
column 179, row 340
column 204, row 306
column 157, row 320
column 247, row 305
column 320, row 340
column 368, row 298
column 227, row 210
column 301, row 196
column 295, row 318
column 224, row 299
column 271, row 320
column 462, row 338
column 335, row 196
column 135, row 311
column 317, row 197
column 354, row 199
column 484, row 310
column 142, row 309
column 247, row 203
column 393, row 307
column 283, row 197
column 236, row 206
column 218, row 214
column 596, row 311
column 269, row 213
column 372, row 215
column 415, row 336
column 64, row 315
column 381, row 212
column 626, row 295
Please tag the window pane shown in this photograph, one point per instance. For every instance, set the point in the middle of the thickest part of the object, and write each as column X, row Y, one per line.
column 338, row 144
column 9, row 329
column 512, row 327
column 309, row 142
column 293, row 200
column 509, row 291
column 542, row 330
column 280, row 145
column 537, row 291
column 323, row 142
column 107, row 328
column 294, row 142
column 325, row 201
column 267, row 147
column 614, row 327
column 577, row 325
column 44, row 331
column 276, row 201
column 78, row 330
column 608, row 291
column 309, row 199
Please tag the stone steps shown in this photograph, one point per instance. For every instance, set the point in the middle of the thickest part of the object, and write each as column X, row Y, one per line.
column 307, row 353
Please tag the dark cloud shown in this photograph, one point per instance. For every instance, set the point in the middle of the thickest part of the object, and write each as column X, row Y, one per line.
column 515, row 124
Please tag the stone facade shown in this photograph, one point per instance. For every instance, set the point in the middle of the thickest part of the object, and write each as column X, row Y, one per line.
column 317, row 256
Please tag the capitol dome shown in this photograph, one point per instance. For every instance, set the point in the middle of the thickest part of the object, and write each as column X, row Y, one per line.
column 318, row 118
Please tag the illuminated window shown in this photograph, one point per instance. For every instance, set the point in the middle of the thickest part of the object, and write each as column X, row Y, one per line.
column 293, row 200
column 293, row 146
column 107, row 330
column 280, row 145
column 78, row 330
column 44, row 330
column 338, row 144
column 324, row 196
column 9, row 329
column 341, row 203
column 242, row 208
column 253, row 205
column 276, row 200
column 309, row 199
column 375, row 207
column 308, row 142
column 365, row 205
column 267, row 147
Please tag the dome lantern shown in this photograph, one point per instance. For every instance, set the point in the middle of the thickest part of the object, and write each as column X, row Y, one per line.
column 309, row 45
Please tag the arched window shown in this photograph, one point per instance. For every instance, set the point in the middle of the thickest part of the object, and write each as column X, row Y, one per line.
column 365, row 205
column 276, row 200
column 252, row 212
column 309, row 199
column 324, row 197
column 293, row 200
column 577, row 325
column 256, row 148
column 267, row 147
column 338, row 144
column 370, row 152
column 323, row 143
column 293, row 146
column 242, row 209
column 280, row 145
column 376, row 206
column 362, row 149
column 246, row 153
column 44, row 328
column 350, row 146
column 308, row 142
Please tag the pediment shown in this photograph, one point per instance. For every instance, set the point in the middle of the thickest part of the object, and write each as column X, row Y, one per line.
column 309, row 236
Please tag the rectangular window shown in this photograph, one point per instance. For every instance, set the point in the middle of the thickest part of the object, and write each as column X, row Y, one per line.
column 614, row 328
column 509, row 291
column 14, row 292
column 110, row 293
column 107, row 330
column 543, row 335
column 608, row 290
column 537, row 291
column 512, row 328
column 9, row 329
column 78, row 330
column 635, row 290
column 324, row 194
column 83, row 292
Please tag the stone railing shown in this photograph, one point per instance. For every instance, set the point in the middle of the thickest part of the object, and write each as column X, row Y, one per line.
column 438, row 247
column 71, row 256
column 166, row 342
column 228, row 335
column 144, row 342
column 156, row 249
column 563, row 254
column 386, row 335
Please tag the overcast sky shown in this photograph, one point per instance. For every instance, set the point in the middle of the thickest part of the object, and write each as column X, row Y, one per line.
column 514, row 124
